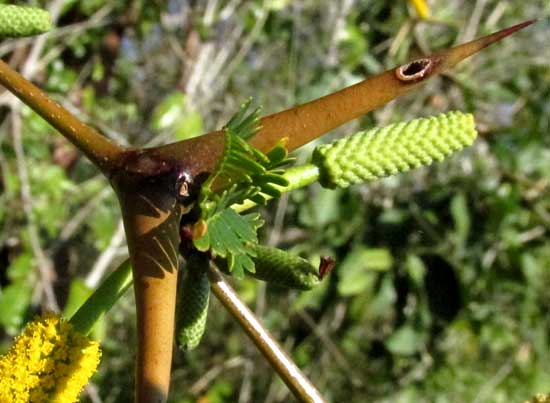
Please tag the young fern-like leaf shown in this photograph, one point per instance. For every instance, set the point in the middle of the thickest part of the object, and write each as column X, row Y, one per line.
column 19, row 21
column 242, row 173
column 244, row 124
column 400, row 147
column 230, row 236
column 193, row 304
column 243, row 168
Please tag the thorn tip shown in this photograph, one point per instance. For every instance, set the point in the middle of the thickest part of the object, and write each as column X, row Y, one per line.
column 460, row 52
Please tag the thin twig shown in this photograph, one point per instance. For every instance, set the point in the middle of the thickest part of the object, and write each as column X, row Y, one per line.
column 340, row 11
column 485, row 391
column 275, row 234
column 473, row 24
column 209, row 376
column 106, row 257
column 296, row 381
column 79, row 219
column 31, row 64
column 324, row 337
column 93, row 393
column 45, row 266
column 69, row 31
column 236, row 61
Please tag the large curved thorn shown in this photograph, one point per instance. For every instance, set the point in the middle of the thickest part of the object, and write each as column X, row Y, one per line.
column 306, row 122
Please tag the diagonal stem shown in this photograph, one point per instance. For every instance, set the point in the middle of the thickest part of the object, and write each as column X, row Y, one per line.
column 44, row 263
column 100, row 150
column 297, row 382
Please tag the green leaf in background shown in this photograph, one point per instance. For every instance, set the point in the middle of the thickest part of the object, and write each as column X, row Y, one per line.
column 276, row 5
column 20, row 268
column 323, row 209
column 461, row 218
column 174, row 114
column 405, row 341
column 415, row 269
column 312, row 298
column 51, row 187
column 382, row 304
column 15, row 298
column 353, row 45
column 219, row 392
column 60, row 78
column 14, row 303
column 104, row 224
column 78, row 293
column 357, row 273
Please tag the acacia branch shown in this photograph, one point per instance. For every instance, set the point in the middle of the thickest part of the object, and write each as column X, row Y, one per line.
column 100, row 150
column 296, row 381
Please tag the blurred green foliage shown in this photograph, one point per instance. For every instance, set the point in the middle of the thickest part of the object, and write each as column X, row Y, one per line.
column 443, row 289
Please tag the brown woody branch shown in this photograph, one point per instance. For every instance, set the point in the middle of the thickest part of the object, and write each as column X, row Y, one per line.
column 97, row 148
column 293, row 377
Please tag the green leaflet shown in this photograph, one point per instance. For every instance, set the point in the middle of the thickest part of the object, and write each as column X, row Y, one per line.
column 193, row 303
column 284, row 269
column 17, row 21
column 229, row 236
column 243, row 173
column 242, row 124
column 399, row 147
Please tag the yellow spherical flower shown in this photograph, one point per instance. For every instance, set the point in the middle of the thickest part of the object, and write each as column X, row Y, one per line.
column 50, row 362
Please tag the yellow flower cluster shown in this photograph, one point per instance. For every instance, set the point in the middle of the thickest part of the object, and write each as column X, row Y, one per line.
column 539, row 398
column 50, row 362
column 421, row 7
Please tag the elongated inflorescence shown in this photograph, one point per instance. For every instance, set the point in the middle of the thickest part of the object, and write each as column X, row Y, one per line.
column 284, row 269
column 17, row 21
column 400, row 147
column 193, row 306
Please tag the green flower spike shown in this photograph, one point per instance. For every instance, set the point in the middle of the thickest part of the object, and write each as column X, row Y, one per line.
column 193, row 306
column 16, row 21
column 400, row 147
column 281, row 268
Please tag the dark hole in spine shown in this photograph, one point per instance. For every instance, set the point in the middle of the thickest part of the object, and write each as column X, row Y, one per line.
column 415, row 67
column 414, row 70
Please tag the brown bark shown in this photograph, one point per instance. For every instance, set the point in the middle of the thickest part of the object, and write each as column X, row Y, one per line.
column 151, row 220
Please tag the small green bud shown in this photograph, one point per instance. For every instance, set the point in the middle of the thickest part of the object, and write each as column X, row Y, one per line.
column 400, row 147
column 193, row 305
column 284, row 269
column 17, row 21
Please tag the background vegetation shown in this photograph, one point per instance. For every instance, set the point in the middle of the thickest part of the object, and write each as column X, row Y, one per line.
column 443, row 289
